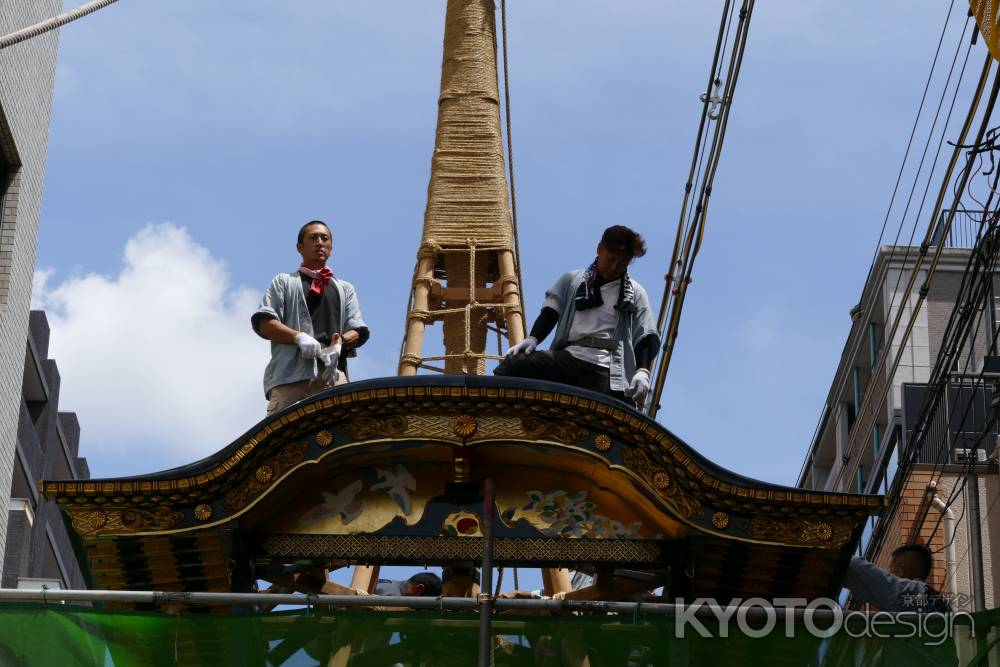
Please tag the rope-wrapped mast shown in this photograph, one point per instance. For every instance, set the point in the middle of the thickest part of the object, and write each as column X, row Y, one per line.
column 466, row 274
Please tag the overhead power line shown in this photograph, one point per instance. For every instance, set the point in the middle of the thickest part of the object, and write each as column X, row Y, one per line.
column 53, row 23
column 870, row 404
column 939, row 372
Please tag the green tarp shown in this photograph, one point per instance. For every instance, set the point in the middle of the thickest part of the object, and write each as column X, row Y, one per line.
column 57, row 634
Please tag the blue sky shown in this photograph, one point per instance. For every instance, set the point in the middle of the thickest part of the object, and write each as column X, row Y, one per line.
column 190, row 140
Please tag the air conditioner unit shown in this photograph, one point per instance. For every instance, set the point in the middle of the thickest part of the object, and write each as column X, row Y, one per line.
column 38, row 584
column 962, row 455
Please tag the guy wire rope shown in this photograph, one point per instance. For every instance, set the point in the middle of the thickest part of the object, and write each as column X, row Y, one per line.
column 45, row 26
column 510, row 160
column 695, row 232
column 925, row 245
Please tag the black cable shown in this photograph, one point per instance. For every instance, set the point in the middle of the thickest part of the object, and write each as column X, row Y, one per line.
column 929, row 409
column 968, row 307
column 937, row 154
column 928, row 236
column 913, row 131
column 944, row 93
column 940, row 383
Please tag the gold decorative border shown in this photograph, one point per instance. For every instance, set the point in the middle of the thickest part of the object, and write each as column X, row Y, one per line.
column 556, row 404
column 651, row 453
column 363, row 547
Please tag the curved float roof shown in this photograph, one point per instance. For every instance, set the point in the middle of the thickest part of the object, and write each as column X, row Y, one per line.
column 366, row 472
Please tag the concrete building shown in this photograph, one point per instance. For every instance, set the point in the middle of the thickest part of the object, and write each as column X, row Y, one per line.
column 869, row 418
column 27, row 74
column 38, row 548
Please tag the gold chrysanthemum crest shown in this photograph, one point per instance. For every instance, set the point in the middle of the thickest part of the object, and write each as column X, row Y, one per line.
column 661, row 480
column 264, row 474
column 602, row 442
column 720, row 520
column 203, row 512
column 465, row 426
column 324, row 438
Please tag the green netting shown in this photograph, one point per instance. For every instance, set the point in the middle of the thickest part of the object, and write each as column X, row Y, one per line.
column 65, row 635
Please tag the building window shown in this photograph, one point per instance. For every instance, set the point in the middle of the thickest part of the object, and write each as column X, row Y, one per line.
column 873, row 343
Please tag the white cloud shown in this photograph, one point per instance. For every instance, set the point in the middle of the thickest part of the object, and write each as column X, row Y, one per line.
column 159, row 361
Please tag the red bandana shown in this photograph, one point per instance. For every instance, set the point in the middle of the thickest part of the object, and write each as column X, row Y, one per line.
column 320, row 277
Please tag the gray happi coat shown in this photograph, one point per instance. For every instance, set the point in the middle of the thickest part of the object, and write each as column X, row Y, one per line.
column 286, row 300
column 632, row 326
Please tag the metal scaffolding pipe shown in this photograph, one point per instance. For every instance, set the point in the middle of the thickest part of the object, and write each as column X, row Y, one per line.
column 486, row 583
column 753, row 613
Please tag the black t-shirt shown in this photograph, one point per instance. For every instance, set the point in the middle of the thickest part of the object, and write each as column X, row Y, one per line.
column 324, row 310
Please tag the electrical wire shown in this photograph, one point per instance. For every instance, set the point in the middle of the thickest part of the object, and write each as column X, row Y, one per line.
column 867, row 403
column 867, row 310
column 53, row 23
column 913, row 131
column 956, row 335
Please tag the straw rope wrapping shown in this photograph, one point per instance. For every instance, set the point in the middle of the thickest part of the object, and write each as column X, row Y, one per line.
column 468, row 230
column 467, row 196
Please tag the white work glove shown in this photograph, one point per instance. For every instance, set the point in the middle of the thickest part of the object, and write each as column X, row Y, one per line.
column 308, row 345
column 640, row 386
column 526, row 346
column 330, row 356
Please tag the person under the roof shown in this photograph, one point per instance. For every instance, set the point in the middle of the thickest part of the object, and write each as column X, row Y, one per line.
column 605, row 336
column 903, row 587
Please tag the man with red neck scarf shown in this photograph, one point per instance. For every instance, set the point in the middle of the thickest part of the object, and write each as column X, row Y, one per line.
column 313, row 321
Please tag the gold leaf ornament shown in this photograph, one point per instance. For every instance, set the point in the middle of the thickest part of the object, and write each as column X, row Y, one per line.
column 203, row 512
column 465, row 426
column 602, row 442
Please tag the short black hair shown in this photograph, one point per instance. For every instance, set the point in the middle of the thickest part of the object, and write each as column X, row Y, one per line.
column 918, row 556
column 431, row 582
column 620, row 237
column 302, row 230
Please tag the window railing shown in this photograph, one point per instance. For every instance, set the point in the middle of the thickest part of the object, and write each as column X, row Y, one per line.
column 964, row 232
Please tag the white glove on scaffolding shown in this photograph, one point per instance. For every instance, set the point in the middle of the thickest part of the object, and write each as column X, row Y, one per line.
column 640, row 386
column 526, row 346
column 308, row 345
column 330, row 356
